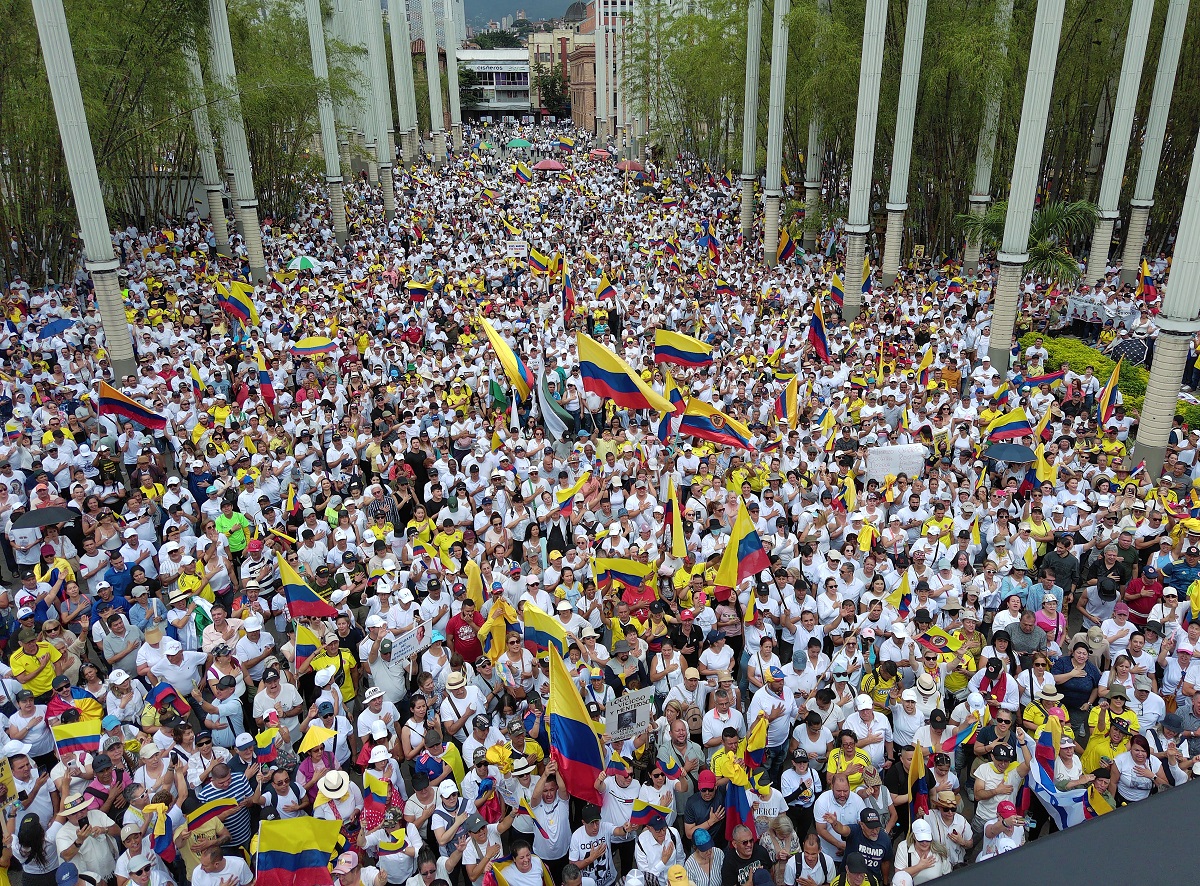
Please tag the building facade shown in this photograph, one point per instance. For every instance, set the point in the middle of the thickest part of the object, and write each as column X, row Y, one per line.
column 505, row 81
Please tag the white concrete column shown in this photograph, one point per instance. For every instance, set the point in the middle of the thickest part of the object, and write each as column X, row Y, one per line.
column 985, row 151
column 1014, row 249
column 329, row 142
column 1118, row 140
column 750, row 115
column 602, row 69
column 209, row 171
column 775, row 112
column 859, row 218
column 452, row 38
column 814, row 160
column 1152, row 142
column 1099, row 132
column 906, row 112
column 233, row 138
column 100, row 260
column 433, row 72
column 381, row 95
column 406, row 100
column 1179, row 320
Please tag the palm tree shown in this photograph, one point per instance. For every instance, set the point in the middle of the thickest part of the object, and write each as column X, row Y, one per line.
column 1053, row 229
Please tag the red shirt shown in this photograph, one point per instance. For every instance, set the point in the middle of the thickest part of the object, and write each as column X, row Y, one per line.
column 464, row 636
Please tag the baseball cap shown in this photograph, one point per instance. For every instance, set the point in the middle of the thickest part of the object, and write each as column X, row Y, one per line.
column 869, row 817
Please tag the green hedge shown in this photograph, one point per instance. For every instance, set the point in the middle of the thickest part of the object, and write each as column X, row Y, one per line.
column 1132, row 382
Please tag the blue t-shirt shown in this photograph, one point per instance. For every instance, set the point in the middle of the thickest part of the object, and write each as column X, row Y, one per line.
column 1077, row 690
column 874, row 852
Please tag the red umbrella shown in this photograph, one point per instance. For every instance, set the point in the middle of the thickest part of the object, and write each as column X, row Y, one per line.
column 630, row 166
column 548, row 164
column 598, row 154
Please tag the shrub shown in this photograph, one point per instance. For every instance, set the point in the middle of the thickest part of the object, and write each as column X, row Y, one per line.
column 1132, row 382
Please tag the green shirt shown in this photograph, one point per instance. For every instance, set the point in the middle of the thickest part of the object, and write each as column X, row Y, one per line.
column 234, row 528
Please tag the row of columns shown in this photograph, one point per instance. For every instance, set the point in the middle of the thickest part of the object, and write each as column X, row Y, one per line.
column 360, row 22
column 1180, row 318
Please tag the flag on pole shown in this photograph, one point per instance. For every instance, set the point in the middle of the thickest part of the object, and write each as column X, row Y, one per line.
column 574, row 745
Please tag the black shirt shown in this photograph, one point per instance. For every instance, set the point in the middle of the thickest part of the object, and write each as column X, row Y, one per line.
column 737, row 871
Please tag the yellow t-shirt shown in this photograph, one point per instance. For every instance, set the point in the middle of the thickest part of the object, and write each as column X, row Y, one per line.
column 193, row 584
column 344, row 661
column 838, row 762
column 23, row 663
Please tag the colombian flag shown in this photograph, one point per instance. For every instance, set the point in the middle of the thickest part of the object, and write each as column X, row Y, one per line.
column 113, row 402
column 265, row 750
column 565, row 141
column 901, row 598
column 71, row 738
column 375, row 789
column 523, row 173
column 622, row 570
column 643, row 813
column 565, row 498
column 604, row 289
column 682, row 350
column 1146, row 289
column 737, row 810
column 816, row 332
column 1009, row 426
column 265, row 384
column 674, row 394
column 543, row 631
column 238, row 301
column 1106, row 403
column 756, row 740
column 673, row 520
column 296, row 851
column 724, row 289
column 786, row 248
column 1054, row 379
column 744, row 555
column 708, row 423
column 837, row 291
column 201, row 815
column 965, row 734
column 492, row 632
column 574, row 745
column 514, row 367
column 606, row 374
column 866, row 286
column 302, row 601
column 539, row 263
column 787, row 409
column 918, row 785
column 307, row 643
column 197, row 382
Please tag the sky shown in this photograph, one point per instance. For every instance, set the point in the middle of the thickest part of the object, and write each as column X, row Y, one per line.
column 480, row 11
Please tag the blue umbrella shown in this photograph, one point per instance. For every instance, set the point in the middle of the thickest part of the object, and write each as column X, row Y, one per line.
column 1012, row 453
column 54, row 327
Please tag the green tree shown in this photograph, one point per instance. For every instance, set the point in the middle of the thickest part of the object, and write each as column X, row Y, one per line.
column 470, row 87
column 1054, row 227
column 551, row 84
column 497, row 40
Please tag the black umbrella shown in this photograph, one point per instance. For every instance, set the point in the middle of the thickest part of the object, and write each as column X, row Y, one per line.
column 1012, row 453
column 39, row 517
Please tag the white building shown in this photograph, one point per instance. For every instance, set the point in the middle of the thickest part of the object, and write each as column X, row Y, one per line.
column 504, row 80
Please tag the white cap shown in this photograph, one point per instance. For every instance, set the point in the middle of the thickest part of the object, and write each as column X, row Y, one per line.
column 447, row 788
column 171, row 646
column 374, row 621
column 373, row 693
column 921, row 831
column 323, row 676
column 253, row 623
column 863, row 703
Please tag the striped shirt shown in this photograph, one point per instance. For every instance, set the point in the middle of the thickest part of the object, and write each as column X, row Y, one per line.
column 238, row 822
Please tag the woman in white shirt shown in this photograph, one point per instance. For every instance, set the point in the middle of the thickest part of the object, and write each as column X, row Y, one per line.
column 906, row 718
column 1136, row 772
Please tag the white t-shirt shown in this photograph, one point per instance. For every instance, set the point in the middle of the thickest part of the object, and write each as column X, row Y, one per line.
column 234, row 867
column 602, row 870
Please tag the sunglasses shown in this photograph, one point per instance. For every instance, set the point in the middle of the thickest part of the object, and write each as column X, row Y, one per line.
column 1004, row 722
column 140, row 871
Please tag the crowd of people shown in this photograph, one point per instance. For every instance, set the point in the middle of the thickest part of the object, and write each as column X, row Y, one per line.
column 392, row 467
